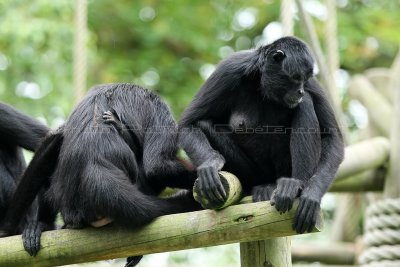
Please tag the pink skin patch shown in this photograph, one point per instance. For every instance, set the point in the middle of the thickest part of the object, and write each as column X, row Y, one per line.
column 101, row 222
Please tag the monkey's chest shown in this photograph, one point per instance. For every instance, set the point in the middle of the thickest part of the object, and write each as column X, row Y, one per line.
column 261, row 131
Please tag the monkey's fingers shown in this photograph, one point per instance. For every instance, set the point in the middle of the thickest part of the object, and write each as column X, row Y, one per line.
column 213, row 186
column 312, row 219
column 218, row 185
column 286, row 191
column 306, row 215
column 204, row 189
column 268, row 192
column 31, row 238
column 257, row 193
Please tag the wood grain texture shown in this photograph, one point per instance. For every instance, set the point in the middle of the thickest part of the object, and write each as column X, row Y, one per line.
column 240, row 223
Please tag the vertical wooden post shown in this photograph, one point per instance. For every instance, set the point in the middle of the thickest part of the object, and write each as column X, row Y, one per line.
column 392, row 181
column 274, row 252
column 80, row 60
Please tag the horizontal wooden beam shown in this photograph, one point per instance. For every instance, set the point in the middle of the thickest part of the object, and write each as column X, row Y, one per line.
column 239, row 223
column 363, row 156
column 368, row 181
column 332, row 253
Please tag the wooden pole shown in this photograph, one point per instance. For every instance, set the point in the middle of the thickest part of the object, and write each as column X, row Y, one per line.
column 80, row 60
column 240, row 223
column 363, row 156
column 368, row 181
column 266, row 253
column 287, row 17
column 392, row 182
column 326, row 78
column 332, row 253
column 380, row 111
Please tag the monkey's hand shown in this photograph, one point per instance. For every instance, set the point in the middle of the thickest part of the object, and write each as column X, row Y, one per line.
column 262, row 192
column 31, row 236
column 286, row 191
column 307, row 213
column 210, row 185
column 111, row 117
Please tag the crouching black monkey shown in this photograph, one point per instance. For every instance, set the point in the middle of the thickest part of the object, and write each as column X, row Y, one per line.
column 106, row 166
column 16, row 131
column 262, row 116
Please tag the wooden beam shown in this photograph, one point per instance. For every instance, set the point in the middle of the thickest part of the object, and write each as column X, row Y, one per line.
column 364, row 156
column 240, row 223
column 380, row 111
column 333, row 253
column 368, row 181
column 269, row 252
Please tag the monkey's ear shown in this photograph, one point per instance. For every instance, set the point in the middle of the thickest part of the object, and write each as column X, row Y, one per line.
column 278, row 55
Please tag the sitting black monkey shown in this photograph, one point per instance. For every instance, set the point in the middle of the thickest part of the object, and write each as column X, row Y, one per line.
column 17, row 131
column 262, row 116
column 101, row 166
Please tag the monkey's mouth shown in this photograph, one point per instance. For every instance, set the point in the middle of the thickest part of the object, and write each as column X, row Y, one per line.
column 293, row 102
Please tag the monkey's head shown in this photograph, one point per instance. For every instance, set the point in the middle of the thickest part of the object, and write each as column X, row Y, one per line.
column 285, row 66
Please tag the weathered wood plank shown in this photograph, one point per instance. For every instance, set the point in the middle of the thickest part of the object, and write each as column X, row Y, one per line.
column 364, row 156
column 266, row 253
column 240, row 223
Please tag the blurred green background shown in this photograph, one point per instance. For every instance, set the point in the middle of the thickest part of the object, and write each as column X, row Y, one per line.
column 167, row 46
column 170, row 47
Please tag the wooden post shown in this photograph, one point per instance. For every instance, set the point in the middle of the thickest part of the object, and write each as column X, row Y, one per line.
column 392, row 183
column 380, row 111
column 274, row 252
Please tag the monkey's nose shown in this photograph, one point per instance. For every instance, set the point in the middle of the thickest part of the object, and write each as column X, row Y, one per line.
column 300, row 92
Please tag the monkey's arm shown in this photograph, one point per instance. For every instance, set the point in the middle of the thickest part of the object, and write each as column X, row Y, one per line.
column 213, row 102
column 18, row 128
column 332, row 153
column 305, row 149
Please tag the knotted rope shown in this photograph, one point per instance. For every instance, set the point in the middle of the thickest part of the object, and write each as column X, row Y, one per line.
column 382, row 237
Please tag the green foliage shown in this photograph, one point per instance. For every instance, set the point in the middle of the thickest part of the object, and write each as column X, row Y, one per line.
column 161, row 45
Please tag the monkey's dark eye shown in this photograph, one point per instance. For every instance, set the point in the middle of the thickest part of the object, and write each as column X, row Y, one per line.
column 279, row 55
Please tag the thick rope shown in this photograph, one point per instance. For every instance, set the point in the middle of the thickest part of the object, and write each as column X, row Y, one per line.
column 383, row 221
column 376, row 254
column 387, row 206
column 383, row 264
column 80, row 49
column 382, row 237
column 287, row 15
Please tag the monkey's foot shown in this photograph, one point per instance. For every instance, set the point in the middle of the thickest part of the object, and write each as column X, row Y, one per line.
column 262, row 192
column 31, row 237
column 286, row 191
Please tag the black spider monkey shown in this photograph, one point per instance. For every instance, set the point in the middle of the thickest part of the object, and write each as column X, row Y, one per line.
column 263, row 116
column 17, row 131
column 108, row 162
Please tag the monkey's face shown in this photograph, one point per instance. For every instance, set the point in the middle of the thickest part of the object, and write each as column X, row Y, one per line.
column 287, row 66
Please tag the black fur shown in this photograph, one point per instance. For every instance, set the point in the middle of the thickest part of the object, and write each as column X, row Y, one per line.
column 16, row 131
column 262, row 116
column 106, row 165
